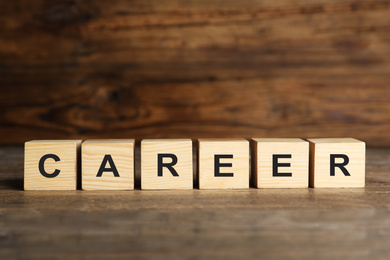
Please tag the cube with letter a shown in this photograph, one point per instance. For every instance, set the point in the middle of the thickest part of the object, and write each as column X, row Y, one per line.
column 166, row 164
column 223, row 163
column 337, row 162
column 108, row 164
column 280, row 162
column 51, row 164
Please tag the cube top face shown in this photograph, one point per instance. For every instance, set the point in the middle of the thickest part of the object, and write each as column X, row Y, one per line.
column 279, row 140
column 218, row 140
column 108, row 164
column 281, row 163
column 334, row 140
column 52, row 142
column 144, row 141
column 166, row 164
column 109, row 142
column 58, row 160
column 337, row 162
column 223, row 163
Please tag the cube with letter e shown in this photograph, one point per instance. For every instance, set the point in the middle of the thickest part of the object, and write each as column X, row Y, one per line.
column 337, row 162
column 223, row 163
column 280, row 162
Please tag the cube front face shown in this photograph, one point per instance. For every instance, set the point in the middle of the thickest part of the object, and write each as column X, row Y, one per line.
column 281, row 163
column 51, row 164
column 166, row 164
column 108, row 164
column 223, row 164
column 337, row 162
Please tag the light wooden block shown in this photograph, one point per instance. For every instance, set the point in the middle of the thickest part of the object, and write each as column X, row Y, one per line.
column 321, row 173
column 223, row 163
column 175, row 170
column 280, row 163
column 51, row 164
column 108, row 164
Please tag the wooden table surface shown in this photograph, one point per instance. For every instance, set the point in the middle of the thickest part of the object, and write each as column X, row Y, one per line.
column 195, row 224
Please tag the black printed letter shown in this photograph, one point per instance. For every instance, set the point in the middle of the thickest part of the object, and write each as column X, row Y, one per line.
column 160, row 164
column 276, row 164
column 217, row 165
column 107, row 158
column 42, row 162
column 333, row 164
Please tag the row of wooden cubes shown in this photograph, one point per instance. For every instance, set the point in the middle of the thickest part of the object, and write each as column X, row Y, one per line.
column 222, row 163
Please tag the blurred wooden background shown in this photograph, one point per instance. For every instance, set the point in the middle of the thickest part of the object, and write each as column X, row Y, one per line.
column 178, row 68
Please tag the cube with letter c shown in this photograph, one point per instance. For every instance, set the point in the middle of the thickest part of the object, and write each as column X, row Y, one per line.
column 51, row 164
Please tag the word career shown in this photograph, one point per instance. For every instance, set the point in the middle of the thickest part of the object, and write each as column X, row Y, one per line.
column 221, row 163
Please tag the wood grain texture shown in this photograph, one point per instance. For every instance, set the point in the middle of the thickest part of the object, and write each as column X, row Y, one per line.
column 320, row 151
column 182, row 149
column 348, row 223
column 121, row 152
column 233, row 170
column 265, row 148
column 67, row 151
column 158, row 69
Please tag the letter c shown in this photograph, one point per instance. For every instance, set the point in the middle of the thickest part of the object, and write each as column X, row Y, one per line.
column 42, row 168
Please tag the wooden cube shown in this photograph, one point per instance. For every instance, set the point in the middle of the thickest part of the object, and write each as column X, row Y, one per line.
column 223, row 163
column 337, row 162
column 51, row 164
column 166, row 164
column 108, row 164
column 280, row 163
